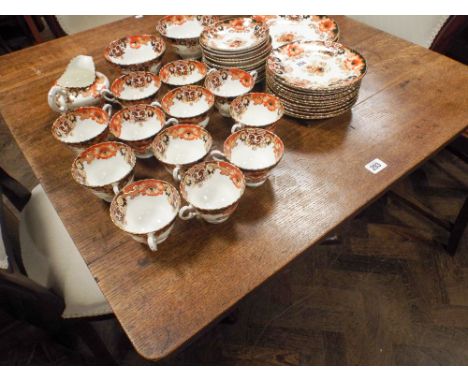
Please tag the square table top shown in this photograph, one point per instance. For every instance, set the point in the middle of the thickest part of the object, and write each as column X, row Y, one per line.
column 412, row 102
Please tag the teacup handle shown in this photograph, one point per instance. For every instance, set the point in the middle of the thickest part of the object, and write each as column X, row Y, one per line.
column 236, row 127
column 152, row 241
column 170, row 122
column 155, row 103
column 115, row 187
column 187, row 212
column 108, row 109
column 59, row 94
column 176, row 174
column 109, row 96
column 254, row 74
column 217, row 155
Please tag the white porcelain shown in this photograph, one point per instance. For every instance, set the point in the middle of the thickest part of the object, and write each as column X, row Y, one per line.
column 137, row 125
column 285, row 29
column 256, row 110
column 62, row 99
column 104, row 168
column 183, row 72
column 82, row 127
column 183, row 33
column 134, row 87
column 227, row 84
column 189, row 104
column 212, row 189
column 255, row 151
column 180, row 146
column 147, row 210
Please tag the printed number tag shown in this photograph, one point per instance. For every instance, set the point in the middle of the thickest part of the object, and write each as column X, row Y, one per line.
column 375, row 166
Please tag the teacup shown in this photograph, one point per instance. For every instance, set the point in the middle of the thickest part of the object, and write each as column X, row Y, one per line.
column 189, row 104
column 255, row 151
column 133, row 88
column 146, row 210
column 183, row 72
column 212, row 189
column 82, row 127
column 183, row 32
column 136, row 53
column 179, row 147
column 227, row 84
column 104, row 168
column 137, row 125
column 62, row 99
column 261, row 110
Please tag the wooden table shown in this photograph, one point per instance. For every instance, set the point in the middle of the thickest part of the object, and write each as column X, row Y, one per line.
column 412, row 103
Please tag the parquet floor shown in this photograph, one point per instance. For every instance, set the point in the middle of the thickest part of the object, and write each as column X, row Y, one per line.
column 386, row 294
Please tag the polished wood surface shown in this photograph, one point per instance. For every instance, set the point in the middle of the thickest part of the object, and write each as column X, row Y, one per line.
column 412, row 102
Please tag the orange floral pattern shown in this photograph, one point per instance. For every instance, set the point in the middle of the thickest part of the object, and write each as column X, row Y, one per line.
column 269, row 101
column 65, row 124
column 216, row 79
column 181, row 68
column 117, row 48
column 146, row 187
column 189, row 94
column 222, row 33
column 184, row 132
column 320, row 64
column 255, row 138
column 100, row 151
column 199, row 173
column 134, row 80
column 134, row 113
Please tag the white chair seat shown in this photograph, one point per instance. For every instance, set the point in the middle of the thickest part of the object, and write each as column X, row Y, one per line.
column 420, row 30
column 52, row 260
column 75, row 24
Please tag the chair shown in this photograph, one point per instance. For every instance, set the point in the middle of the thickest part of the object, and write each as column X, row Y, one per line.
column 45, row 281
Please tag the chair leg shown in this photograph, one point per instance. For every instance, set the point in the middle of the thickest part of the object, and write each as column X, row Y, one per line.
column 458, row 228
column 90, row 337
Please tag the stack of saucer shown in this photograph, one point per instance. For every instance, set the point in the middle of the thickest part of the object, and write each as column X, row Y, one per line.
column 243, row 43
column 315, row 79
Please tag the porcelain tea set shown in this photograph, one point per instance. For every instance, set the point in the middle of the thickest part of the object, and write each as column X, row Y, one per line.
column 109, row 138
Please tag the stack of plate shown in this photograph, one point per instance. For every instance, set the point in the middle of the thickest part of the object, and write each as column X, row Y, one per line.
column 315, row 79
column 285, row 29
column 242, row 43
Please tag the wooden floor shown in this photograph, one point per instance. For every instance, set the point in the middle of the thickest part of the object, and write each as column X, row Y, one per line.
column 386, row 294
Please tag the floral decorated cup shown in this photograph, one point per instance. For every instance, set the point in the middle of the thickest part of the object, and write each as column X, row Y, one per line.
column 104, row 168
column 213, row 190
column 181, row 146
column 136, row 53
column 133, row 88
column 183, row 32
column 82, row 127
column 62, row 99
column 146, row 210
column 261, row 110
column 227, row 84
column 255, row 151
column 183, row 72
column 189, row 104
column 137, row 125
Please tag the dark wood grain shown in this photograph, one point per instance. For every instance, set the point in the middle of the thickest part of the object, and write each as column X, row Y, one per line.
column 412, row 103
